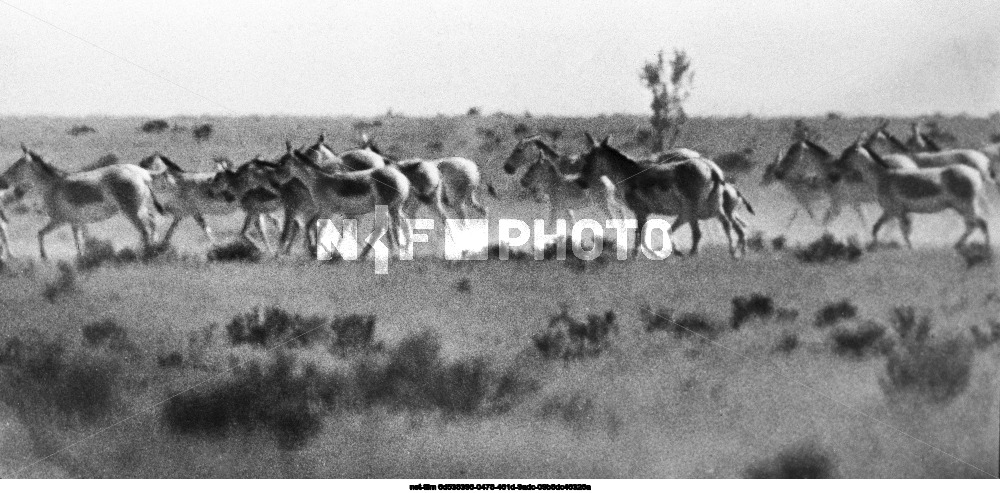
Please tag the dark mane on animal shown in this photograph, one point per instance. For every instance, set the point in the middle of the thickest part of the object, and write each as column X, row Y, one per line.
column 932, row 145
column 878, row 159
column 816, row 147
column 898, row 144
column 147, row 162
column 545, row 148
column 48, row 168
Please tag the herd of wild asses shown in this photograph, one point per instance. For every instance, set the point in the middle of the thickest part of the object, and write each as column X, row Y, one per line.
column 314, row 182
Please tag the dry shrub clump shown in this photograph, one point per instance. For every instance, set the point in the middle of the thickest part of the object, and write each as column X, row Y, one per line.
column 569, row 338
column 829, row 249
column 683, row 325
column 858, row 340
column 99, row 253
column 48, row 375
column 64, row 284
column 756, row 305
column 922, row 366
column 834, row 312
column 236, row 251
column 276, row 327
column 803, row 460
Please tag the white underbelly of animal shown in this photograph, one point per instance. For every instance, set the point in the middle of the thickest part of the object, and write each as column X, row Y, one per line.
column 94, row 212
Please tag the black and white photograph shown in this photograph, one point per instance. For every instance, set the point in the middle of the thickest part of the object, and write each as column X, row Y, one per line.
column 499, row 245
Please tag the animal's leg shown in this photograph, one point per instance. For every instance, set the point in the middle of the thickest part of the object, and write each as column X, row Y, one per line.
column 680, row 221
column 878, row 225
column 861, row 215
column 200, row 219
column 791, row 220
column 832, row 212
column 77, row 239
column 474, row 200
column 41, row 237
column 906, row 225
column 696, row 236
column 143, row 226
column 4, row 240
column 173, row 226
column 288, row 231
column 263, row 232
column 640, row 217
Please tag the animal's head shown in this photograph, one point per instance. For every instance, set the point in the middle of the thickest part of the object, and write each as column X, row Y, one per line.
column 599, row 158
column 290, row 165
column 771, row 171
column 24, row 169
column 520, row 155
column 538, row 175
column 882, row 140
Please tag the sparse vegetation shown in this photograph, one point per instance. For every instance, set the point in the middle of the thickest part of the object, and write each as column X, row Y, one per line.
column 976, row 255
column 857, row 340
column 829, row 249
column 77, row 130
column 236, row 251
column 804, row 460
column 756, row 305
column 831, row 313
column 202, row 132
column 669, row 94
column 64, row 283
column 937, row 370
column 154, row 126
column 569, row 338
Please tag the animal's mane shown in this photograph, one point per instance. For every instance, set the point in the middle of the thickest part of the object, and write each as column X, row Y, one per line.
column 172, row 166
column 931, row 143
column 875, row 156
column 894, row 140
column 48, row 168
column 622, row 156
column 545, row 148
column 816, row 147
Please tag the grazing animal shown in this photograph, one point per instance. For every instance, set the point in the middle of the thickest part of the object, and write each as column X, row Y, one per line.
column 351, row 194
column 85, row 197
column 185, row 194
column 250, row 188
column 564, row 192
column 905, row 191
column 689, row 188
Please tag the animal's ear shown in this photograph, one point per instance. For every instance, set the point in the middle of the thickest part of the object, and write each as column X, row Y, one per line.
column 590, row 140
column 24, row 149
column 882, row 124
column 288, row 145
column 221, row 164
column 606, row 142
column 322, row 137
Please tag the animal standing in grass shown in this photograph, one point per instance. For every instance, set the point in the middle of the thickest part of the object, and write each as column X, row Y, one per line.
column 350, row 194
column 902, row 192
column 78, row 199
column 248, row 187
column 185, row 194
column 565, row 195
column 690, row 188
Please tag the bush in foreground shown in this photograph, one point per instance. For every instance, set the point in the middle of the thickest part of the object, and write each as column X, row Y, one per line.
column 829, row 249
column 937, row 370
column 804, row 460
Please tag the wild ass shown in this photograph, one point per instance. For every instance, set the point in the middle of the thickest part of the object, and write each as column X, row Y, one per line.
column 351, row 194
column 365, row 157
column 250, row 188
column 690, row 188
column 81, row 198
column 932, row 159
column 185, row 194
column 905, row 191
column 564, row 193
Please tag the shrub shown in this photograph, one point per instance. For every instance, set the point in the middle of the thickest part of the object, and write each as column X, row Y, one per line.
column 105, row 332
column 756, row 305
column 202, row 132
column 435, row 146
column 64, row 283
column 105, row 160
column 77, row 130
column 99, row 253
column 569, row 338
column 976, row 254
column 828, row 249
column 655, row 321
column 804, row 460
column 270, row 396
column 756, row 242
column 76, row 384
column 474, row 111
column 696, row 324
column 236, row 251
column 778, row 243
column 985, row 339
column 788, row 342
column 464, row 285
column 353, row 331
column 935, row 370
column 173, row 359
column 154, row 126
column 832, row 313
column 275, row 326
column 575, row 409
column 858, row 340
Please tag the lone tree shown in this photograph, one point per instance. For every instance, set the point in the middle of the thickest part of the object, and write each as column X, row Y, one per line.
column 669, row 95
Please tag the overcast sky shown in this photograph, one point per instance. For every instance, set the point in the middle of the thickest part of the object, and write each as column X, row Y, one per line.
column 566, row 58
